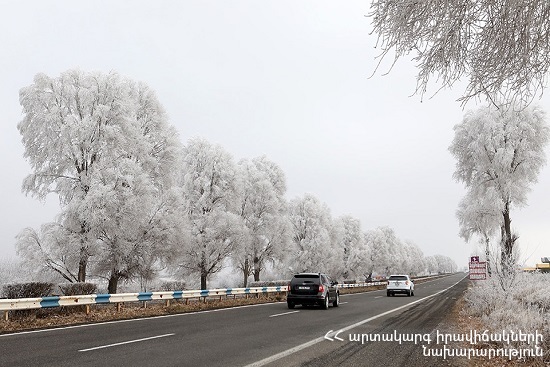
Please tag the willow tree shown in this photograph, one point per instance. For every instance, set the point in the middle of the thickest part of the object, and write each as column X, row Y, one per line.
column 385, row 250
column 209, row 190
column 348, row 235
column 502, row 47
column 311, row 223
column 102, row 144
column 263, row 209
column 479, row 215
column 499, row 154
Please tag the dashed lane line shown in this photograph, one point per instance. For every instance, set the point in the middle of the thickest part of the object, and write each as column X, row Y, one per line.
column 284, row 313
column 126, row 342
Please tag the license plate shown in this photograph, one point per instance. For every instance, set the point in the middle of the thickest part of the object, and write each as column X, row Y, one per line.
column 303, row 287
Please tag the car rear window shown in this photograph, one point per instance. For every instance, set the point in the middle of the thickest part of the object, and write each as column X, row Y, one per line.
column 307, row 276
column 398, row 277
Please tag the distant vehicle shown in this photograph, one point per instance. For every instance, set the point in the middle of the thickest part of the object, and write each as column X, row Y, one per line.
column 312, row 289
column 400, row 284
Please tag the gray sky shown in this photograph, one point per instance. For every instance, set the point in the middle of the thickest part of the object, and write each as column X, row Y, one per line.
column 288, row 79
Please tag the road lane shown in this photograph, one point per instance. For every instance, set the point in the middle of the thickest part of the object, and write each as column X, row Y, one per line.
column 228, row 337
column 417, row 324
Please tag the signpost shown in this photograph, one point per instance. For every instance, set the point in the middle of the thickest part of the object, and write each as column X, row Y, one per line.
column 478, row 269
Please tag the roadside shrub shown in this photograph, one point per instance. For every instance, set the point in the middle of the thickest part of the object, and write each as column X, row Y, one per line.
column 524, row 306
column 173, row 285
column 268, row 283
column 27, row 290
column 78, row 289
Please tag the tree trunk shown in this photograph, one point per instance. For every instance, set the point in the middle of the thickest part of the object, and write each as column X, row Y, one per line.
column 487, row 256
column 257, row 269
column 82, row 264
column 246, row 272
column 507, row 242
column 203, row 280
column 204, row 272
column 113, row 282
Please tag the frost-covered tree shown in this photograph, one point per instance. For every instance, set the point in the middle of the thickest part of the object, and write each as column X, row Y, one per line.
column 499, row 154
column 383, row 247
column 445, row 264
column 350, row 237
column 67, row 126
column 311, row 227
column 501, row 46
column 12, row 270
column 337, row 234
column 413, row 259
column 262, row 206
column 479, row 215
column 48, row 249
column 431, row 265
column 210, row 204
column 136, row 226
column 102, row 143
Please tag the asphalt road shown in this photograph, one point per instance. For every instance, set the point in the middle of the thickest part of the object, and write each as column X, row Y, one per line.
column 249, row 336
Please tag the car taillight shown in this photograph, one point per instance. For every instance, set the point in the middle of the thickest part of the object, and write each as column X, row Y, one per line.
column 321, row 288
column 288, row 287
column 407, row 282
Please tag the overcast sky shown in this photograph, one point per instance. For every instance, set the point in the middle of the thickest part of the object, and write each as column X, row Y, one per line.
column 287, row 79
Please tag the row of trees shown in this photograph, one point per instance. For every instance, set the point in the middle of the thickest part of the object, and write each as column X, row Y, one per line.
column 135, row 202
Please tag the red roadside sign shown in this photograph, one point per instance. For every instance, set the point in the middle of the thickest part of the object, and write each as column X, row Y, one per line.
column 478, row 270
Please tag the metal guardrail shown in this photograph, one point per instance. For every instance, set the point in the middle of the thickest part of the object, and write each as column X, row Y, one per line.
column 359, row 285
column 382, row 282
column 7, row 305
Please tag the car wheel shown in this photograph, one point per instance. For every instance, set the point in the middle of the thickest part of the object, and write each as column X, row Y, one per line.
column 290, row 305
column 336, row 302
column 325, row 302
column 388, row 293
column 409, row 293
column 412, row 292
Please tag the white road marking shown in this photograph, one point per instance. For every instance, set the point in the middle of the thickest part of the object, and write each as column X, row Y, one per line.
column 310, row 343
column 378, row 297
column 126, row 342
column 284, row 313
column 343, row 303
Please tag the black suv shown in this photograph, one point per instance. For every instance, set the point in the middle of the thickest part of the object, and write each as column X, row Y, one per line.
column 312, row 289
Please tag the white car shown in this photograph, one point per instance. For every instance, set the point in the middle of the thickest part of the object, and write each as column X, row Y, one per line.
column 400, row 283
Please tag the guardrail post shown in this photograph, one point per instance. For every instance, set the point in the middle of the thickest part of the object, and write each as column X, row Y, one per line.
column 118, row 306
column 6, row 315
column 167, row 303
column 87, row 309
